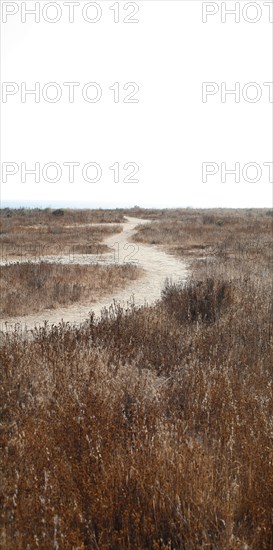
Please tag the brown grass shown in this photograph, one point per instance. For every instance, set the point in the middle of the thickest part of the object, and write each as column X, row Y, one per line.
column 149, row 429
column 192, row 232
column 62, row 215
column 29, row 288
column 27, row 233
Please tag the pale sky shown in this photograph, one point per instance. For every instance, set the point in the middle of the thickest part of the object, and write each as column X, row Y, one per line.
column 169, row 133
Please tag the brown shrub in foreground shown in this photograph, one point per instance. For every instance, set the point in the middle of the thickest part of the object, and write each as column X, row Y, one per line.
column 149, row 429
column 29, row 287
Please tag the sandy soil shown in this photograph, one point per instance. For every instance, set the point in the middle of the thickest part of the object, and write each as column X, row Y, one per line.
column 158, row 266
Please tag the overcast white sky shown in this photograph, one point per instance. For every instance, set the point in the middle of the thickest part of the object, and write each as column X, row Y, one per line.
column 169, row 133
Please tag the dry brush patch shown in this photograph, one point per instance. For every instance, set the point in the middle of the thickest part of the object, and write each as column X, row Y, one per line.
column 27, row 233
column 150, row 428
column 231, row 234
column 29, row 287
column 25, row 216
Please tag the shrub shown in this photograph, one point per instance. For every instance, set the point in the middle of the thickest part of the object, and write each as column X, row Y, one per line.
column 59, row 212
column 197, row 300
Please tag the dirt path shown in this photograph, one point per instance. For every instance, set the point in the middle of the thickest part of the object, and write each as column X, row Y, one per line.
column 158, row 266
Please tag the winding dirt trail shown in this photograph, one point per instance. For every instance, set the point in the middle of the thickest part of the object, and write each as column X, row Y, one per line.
column 158, row 266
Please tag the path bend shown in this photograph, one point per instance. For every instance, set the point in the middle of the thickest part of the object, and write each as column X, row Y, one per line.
column 157, row 264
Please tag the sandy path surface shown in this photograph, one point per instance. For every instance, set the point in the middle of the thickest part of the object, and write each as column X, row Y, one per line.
column 158, row 266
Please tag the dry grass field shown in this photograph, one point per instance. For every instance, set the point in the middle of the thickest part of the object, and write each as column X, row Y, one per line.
column 29, row 288
column 29, row 233
column 34, row 234
column 150, row 428
column 230, row 233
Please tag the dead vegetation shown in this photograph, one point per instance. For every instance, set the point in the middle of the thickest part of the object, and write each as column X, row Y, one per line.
column 29, row 288
column 35, row 233
column 150, row 428
column 203, row 233
column 63, row 215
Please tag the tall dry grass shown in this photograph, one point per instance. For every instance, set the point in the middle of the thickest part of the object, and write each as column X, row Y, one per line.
column 210, row 232
column 29, row 288
column 150, row 428
column 28, row 233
